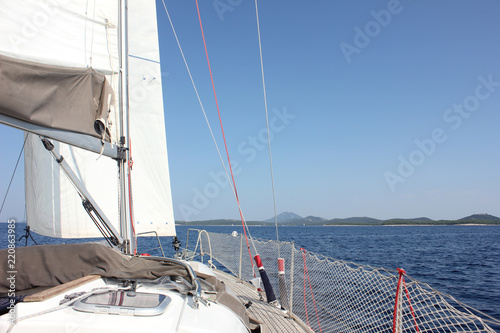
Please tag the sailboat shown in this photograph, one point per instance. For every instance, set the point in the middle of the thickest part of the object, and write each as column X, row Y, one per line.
column 83, row 80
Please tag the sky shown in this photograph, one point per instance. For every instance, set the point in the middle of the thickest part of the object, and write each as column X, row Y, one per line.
column 386, row 109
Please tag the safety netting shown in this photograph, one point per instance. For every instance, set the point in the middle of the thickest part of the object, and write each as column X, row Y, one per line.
column 331, row 295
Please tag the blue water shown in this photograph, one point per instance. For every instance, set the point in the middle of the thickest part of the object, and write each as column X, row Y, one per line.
column 463, row 261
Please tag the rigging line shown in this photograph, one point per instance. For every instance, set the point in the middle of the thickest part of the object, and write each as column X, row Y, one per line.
column 114, row 73
column 202, row 108
column 197, row 94
column 267, row 126
column 92, row 34
column 196, row 91
column 14, row 173
column 51, row 152
column 85, row 31
column 208, row 124
column 223, row 135
column 245, row 226
column 130, row 198
column 93, row 31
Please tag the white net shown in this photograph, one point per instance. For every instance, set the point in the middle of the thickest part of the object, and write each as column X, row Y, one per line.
column 332, row 295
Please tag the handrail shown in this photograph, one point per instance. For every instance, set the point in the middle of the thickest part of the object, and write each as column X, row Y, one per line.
column 195, row 283
column 157, row 237
column 198, row 242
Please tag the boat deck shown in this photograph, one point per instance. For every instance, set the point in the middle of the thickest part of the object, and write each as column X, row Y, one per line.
column 275, row 320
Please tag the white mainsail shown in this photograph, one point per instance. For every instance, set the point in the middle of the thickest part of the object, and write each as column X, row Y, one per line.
column 84, row 34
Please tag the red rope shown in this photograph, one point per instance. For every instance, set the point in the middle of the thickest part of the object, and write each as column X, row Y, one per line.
column 411, row 307
column 401, row 272
column 402, row 279
column 224, row 136
column 306, row 273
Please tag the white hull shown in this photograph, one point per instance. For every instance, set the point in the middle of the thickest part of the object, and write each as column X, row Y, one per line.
column 180, row 315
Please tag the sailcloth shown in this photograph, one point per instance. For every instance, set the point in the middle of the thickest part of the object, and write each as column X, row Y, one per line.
column 84, row 34
column 152, row 197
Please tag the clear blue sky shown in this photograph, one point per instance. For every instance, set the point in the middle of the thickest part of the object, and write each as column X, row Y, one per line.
column 378, row 108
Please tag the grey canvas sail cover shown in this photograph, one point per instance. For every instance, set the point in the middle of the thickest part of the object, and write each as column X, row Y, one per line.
column 72, row 99
column 52, row 265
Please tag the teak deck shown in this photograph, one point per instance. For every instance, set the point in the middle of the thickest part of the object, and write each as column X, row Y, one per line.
column 275, row 320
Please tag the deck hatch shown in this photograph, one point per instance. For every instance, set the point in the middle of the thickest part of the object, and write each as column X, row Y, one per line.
column 125, row 303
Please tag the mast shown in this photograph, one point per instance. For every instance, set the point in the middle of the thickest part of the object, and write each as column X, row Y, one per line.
column 126, row 228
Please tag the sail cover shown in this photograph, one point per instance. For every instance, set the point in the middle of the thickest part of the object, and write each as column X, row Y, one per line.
column 83, row 34
column 72, row 99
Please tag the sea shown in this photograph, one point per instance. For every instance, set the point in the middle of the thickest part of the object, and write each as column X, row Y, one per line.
column 461, row 260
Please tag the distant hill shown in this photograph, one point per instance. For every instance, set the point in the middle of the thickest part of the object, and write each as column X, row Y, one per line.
column 285, row 217
column 416, row 219
column 218, row 222
column 472, row 219
column 478, row 218
column 292, row 219
column 310, row 220
column 354, row 221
